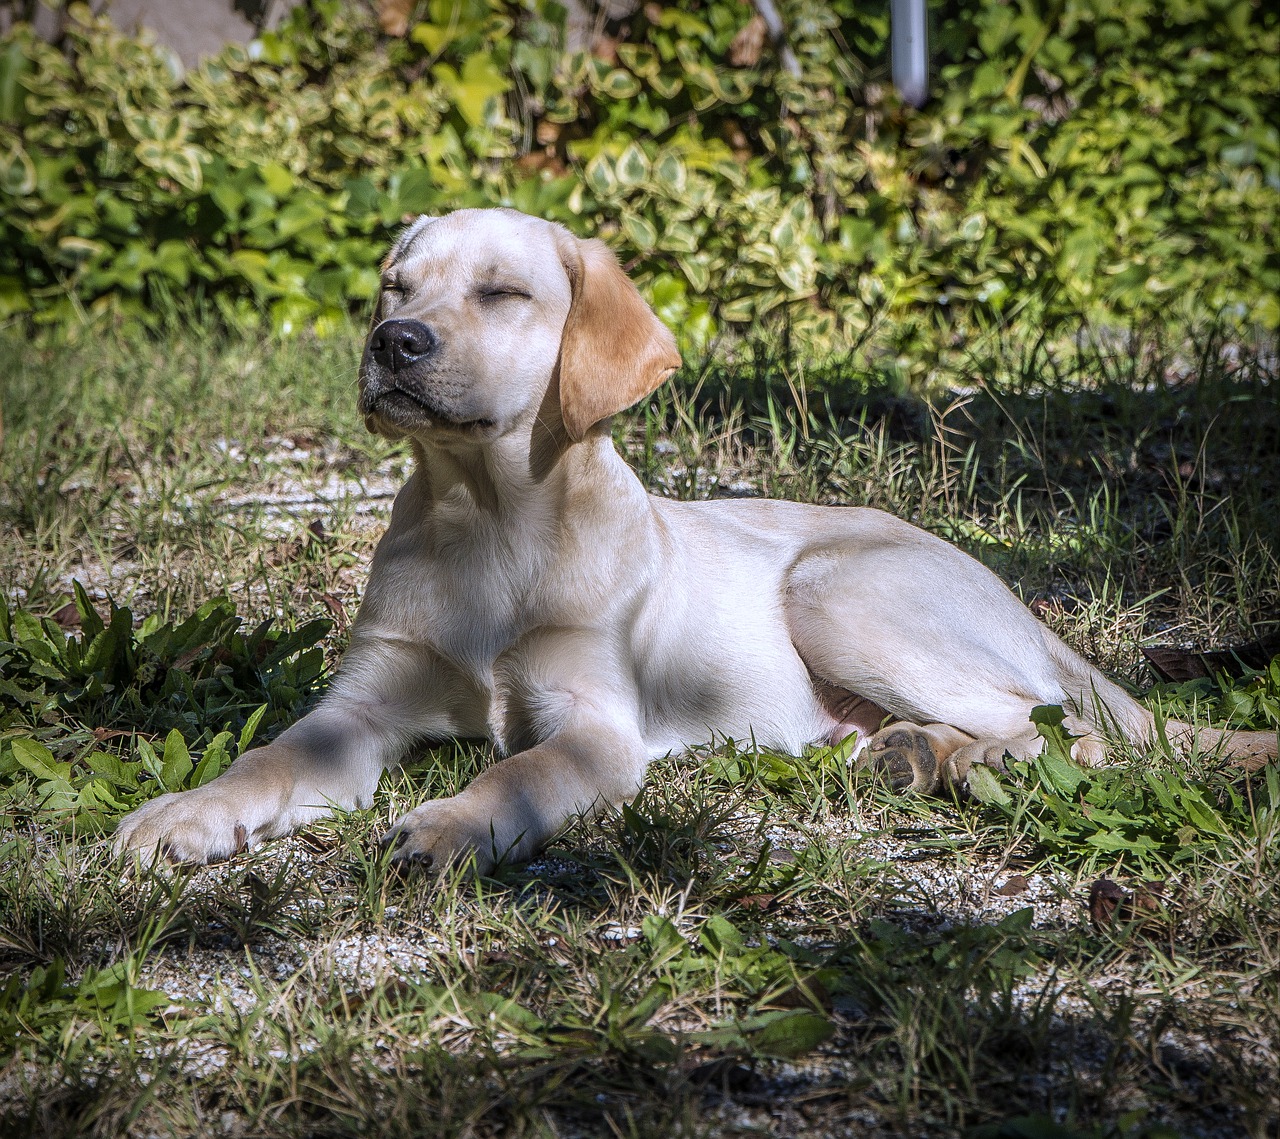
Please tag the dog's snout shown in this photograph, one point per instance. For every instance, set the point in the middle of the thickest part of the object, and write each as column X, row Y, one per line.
column 396, row 344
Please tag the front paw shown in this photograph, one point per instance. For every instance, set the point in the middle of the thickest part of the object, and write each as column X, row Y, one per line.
column 205, row 825
column 444, row 833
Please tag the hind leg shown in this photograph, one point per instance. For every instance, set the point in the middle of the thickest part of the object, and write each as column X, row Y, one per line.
column 934, row 638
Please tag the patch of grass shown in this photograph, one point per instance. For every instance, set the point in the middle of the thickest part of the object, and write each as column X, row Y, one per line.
column 759, row 943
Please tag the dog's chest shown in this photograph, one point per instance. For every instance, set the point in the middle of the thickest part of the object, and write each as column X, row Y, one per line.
column 472, row 591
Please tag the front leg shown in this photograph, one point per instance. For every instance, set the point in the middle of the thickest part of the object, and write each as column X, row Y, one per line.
column 388, row 695
column 566, row 706
column 510, row 809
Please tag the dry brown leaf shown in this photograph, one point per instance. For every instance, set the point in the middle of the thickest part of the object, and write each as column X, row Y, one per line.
column 757, row 901
column 184, row 661
column 1174, row 664
column 68, row 617
column 1105, row 897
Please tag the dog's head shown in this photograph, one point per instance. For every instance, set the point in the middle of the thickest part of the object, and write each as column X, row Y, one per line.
column 482, row 311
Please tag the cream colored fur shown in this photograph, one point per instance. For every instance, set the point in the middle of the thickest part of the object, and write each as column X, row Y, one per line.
column 530, row 591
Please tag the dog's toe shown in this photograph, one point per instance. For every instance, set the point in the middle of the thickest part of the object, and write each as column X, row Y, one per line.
column 439, row 835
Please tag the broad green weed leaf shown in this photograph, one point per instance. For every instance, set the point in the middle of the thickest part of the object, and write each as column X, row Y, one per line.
column 38, row 760
column 721, row 937
column 1063, row 775
column 90, row 622
column 1200, row 813
column 791, row 1033
column 150, row 761
column 213, row 762
column 176, row 765
column 662, row 935
column 508, row 1012
column 250, row 729
column 985, row 786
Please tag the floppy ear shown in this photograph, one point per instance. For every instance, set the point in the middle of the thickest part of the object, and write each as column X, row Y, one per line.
column 614, row 351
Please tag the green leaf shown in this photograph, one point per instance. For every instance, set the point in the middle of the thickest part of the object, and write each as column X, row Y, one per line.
column 697, row 270
column 985, row 786
column 1062, row 775
column 176, row 765
column 90, row 622
column 662, row 935
column 250, row 729
column 14, row 65
column 38, row 760
column 213, row 762
column 720, row 936
column 633, row 166
column 619, row 85
column 17, row 172
column 791, row 1033
column 639, row 231
column 473, row 90
column 599, row 175
column 277, row 179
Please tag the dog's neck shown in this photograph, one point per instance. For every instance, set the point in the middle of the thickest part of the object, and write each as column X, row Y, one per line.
column 535, row 470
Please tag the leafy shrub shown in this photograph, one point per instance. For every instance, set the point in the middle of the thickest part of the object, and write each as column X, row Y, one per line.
column 201, row 680
column 1090, row 157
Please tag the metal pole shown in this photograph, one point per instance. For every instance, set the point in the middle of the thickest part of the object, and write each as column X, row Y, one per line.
column 909, row 49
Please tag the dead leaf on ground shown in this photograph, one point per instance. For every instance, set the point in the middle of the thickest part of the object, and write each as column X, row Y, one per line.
column 336, row 609
column 1105, row 897
column 317, row 843
column 1111, row 904
column 1174, row 664
column 104, row 734
column 183, row 661
column 396, row 989
column 806, row 993
column 757, row 901
column 68, row 617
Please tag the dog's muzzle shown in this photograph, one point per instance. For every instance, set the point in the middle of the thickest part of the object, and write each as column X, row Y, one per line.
column 400, row 382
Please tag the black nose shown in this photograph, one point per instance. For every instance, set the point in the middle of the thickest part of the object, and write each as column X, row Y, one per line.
column 395, row 344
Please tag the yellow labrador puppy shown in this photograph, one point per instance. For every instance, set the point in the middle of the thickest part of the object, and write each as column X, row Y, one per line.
column 529, row 590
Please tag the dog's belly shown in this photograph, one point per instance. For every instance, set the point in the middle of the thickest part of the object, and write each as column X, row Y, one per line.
column 713, row 652
column 780, row 712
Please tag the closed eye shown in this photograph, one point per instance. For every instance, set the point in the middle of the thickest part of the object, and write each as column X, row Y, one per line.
column 503, row 292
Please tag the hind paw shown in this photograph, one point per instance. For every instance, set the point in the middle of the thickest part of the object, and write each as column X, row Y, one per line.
column 904, row 756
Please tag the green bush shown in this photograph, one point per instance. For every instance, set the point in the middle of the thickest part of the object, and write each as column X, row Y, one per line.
column 1104, row 158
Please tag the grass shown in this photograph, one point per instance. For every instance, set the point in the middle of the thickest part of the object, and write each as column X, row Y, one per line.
column 759, row 944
